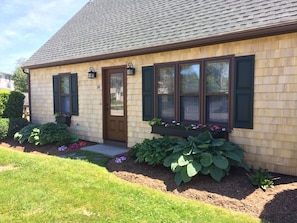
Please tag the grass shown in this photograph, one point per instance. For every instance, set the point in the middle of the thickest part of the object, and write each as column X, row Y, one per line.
column 50, row 189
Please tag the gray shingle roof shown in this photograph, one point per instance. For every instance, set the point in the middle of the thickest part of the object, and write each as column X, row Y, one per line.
column 113, row 26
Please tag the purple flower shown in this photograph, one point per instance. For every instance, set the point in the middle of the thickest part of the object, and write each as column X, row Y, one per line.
column 62, row 148
column 118, row 160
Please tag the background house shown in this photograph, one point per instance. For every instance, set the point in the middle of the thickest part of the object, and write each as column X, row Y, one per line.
column 231, row 63
column 6, row 81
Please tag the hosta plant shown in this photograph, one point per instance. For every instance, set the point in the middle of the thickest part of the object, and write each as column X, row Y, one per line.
column 153, row 151
column 262, row 179
column 206, row 155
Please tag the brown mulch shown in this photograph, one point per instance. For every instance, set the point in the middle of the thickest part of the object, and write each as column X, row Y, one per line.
column 234, row 192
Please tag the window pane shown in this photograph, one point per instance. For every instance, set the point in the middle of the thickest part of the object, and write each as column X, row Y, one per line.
column 166, row 107
column 65, row 104
column 217, row 109
column 190, row 109
column 189, row 78
column 116, row 95
column 165, row 78
column 217, row 77
column 65, row 83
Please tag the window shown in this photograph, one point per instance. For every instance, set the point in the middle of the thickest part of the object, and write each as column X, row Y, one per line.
column 195, row 91
column 65, row 91
column 210, row 91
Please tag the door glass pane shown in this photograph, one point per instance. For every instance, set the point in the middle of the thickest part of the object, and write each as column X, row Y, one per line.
column 217, row 109
column 65, row 83
column 65, row 104
column 165, row 78
column 217, row 77
column 116, row 95
column 190, row 109
column 189, row 78
column 166, row 107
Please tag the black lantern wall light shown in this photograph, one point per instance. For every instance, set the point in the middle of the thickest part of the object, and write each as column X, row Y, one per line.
column 92, row 73
column 130, row 69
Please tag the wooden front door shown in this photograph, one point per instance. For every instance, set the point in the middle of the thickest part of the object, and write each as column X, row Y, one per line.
column 114, row 105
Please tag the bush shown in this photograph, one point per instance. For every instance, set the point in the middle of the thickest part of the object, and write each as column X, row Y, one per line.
column 14, row 106
column 4, row 96
column 25, row 133
column 51, row 133
column 4, row 124
column 203, row 154
column 11, row 104
column 9, row 126
column 15, row 125
column 152, row 151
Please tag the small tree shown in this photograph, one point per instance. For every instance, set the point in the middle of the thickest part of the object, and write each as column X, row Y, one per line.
column 20, row 78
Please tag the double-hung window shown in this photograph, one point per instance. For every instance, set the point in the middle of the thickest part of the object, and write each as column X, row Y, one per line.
column 65, row 91
column 194, row 91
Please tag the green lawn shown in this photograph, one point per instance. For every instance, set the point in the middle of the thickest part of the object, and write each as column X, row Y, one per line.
column 50, row 189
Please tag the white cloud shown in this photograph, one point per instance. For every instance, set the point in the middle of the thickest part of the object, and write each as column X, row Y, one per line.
column 27, row 25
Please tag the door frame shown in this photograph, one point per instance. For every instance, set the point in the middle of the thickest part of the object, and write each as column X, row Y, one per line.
column 105, row 101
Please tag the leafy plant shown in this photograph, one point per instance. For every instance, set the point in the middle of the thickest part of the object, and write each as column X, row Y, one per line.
column 153, row 151
column 25, row 133
column 155, row 121
column 262, row 179
column 46, row 133
column 51, row 133
column 203, row 154
column 4, row 123
column 16, row 124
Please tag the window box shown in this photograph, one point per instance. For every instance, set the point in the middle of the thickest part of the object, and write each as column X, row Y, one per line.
column 63, row 119
column 184, row 132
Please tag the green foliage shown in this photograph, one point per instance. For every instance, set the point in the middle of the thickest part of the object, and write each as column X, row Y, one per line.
column 51, row 133
column 4, row 126
column 203, row 154
column 262, row 179
column 153, row 151
column 25, row 133
column 155, row 121
column 8, row 126
column 4, row 96
column 20, row 79
column 15, row 125
column 45, row 134
column 11, row 104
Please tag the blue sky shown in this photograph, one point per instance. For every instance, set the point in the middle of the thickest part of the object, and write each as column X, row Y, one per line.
column 25, row 25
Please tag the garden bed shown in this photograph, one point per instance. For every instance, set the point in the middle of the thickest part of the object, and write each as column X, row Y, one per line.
column 277, row 204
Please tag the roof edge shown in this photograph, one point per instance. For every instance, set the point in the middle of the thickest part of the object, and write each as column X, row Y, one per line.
column 211, row 40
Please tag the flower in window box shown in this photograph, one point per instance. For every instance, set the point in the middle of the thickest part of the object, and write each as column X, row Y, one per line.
column 63, row 118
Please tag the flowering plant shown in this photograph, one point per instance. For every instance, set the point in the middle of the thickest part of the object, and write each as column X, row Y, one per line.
column 120, row 159
column 174, row 124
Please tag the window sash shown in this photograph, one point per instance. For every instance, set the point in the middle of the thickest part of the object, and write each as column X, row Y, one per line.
column 194, row 97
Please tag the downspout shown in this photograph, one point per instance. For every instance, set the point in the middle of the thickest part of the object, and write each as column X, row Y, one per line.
column 27, row 71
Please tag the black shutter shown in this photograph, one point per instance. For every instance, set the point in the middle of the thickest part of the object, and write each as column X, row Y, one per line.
column 56, row 94
column 244, row 92
column 74, row 94
column 147, row 93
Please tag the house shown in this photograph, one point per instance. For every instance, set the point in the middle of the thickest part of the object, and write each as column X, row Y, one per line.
column 232, row 63
column 6, row 81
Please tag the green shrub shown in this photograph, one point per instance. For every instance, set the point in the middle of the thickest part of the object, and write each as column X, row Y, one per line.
column 4, row 126
column 51, row 133
column 15, row 125
column 25, row 133
column 4, row 96
column 153, row 151
column 11, row 105
column 14, row 106
column 203, row 154
column 262, row 179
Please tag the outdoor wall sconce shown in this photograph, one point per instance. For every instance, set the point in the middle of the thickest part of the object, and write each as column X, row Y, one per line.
column 130, row 69
column 92, row 73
